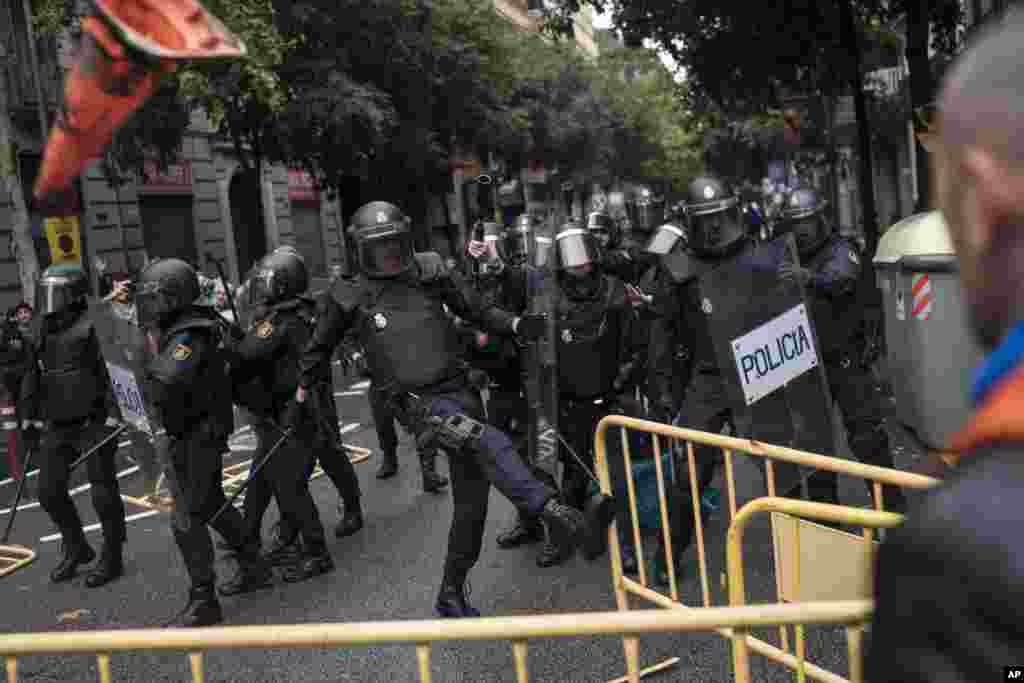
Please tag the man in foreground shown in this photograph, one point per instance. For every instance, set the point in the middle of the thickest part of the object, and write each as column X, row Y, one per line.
column 950, row 581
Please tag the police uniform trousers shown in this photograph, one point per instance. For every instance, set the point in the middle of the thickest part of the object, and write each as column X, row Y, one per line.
column 325, row 448
column 60, row 445
column 705, row 408
column 493, row 460
column 193, row 464
column 383, row 420
column 852, row 387
column 578, row 424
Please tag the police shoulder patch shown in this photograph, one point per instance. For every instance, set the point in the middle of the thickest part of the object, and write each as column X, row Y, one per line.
column 182, row 352
column 264, row 329
column 854, row 259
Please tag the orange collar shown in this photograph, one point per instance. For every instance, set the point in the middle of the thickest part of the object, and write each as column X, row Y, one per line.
column 999, row 419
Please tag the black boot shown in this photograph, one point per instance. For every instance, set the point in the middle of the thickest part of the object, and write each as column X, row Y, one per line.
column 283, row 550
column 110, row 566
column 74, row 552
column 254, row 573
column 552, row 555
column 565, row 526
column 523, row 533
column 388, row 465
column 203, row 609
column 432, row 481
column 352, row 521
column 453, row 602
column 314, row 562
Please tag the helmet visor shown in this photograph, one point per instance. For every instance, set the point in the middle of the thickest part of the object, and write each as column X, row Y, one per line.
column 517, row 247
column 263, row 288
column 53, row 296
column 664, row 240
column 151, row 304
column 714, row 232
column 387, row 255
column 576, row 248
column 543, row 255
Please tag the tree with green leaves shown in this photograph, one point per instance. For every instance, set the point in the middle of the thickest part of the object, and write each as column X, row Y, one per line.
column 741, row 56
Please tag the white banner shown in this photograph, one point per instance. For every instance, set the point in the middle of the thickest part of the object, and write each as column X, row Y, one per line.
column 775, row 354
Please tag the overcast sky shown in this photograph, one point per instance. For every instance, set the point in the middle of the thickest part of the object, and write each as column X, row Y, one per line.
column 604, row 20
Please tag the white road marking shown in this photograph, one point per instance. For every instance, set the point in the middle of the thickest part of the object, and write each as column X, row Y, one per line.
column 349, row 428
column 10, row 480
column 365, row 384
column 73, row 492
column 350, row 393
column 95, row 527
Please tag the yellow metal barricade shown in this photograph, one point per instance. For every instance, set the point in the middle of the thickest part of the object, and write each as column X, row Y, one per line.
column 14, row 557
column 422, row 634
column 795, row 576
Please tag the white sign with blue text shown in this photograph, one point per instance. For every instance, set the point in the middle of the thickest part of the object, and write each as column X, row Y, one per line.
column 775, row 354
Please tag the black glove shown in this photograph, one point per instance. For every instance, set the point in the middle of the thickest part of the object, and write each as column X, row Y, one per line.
column 31, row 436
column 531, row 327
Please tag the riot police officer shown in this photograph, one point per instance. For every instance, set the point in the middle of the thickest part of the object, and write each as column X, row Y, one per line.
column 503, row 257
column 286, row 268
column 830, row 271
column 615, row 259
column 598, row 361
column 190, row 386
column 270, row 350
column 67, row 387
column 681, row 348
column 397, row 306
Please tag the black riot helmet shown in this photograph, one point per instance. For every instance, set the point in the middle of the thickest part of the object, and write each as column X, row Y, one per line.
column 666, row 238
column 279, row 275
column 493, row 261
column 713, row 214
column 61, row 288
column 604, row 229
column 804, row 216
column 165, row 288
column 383, row 238
column 649, row 209
column 519, row 240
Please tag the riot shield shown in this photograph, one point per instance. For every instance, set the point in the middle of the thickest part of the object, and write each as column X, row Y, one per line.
column 124, row 348
column 769, row 355
column 542, row 380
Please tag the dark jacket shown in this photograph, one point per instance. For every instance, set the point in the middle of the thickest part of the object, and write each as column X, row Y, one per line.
column 949, row 583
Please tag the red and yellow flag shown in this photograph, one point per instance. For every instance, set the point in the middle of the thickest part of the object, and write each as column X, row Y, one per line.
column 127, row 47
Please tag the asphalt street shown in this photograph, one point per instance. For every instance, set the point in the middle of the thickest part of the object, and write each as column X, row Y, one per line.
column 388, row 571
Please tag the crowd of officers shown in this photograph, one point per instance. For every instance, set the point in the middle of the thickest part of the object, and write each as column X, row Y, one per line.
column 632, row 339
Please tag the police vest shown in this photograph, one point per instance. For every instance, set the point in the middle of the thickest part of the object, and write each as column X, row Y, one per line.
column 836, row 319
column 410, row 341
column 588, row 342
column 297, row 319
column 72, row 383
column 210, row 395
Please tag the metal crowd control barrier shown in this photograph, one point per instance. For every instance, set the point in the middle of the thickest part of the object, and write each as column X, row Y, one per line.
column 14, row 557
column 796, row 542
column 421, row 634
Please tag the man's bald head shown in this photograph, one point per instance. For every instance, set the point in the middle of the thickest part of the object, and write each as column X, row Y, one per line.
column 982, row 100
column 980, row 176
